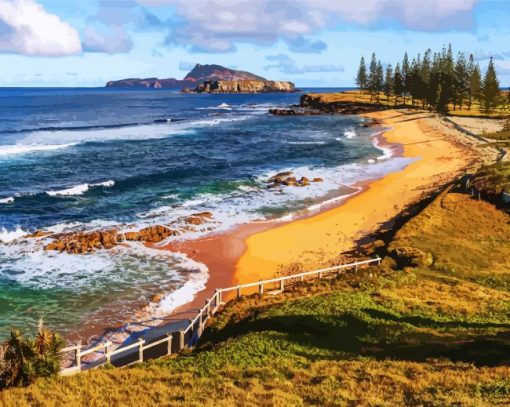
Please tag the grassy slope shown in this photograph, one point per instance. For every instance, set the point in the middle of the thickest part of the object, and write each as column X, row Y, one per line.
column 356, row 96
column 424, row 336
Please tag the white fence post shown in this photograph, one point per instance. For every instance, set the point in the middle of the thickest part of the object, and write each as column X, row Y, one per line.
column 140, row 349
column 282, row 286
column 169, row 348
column 77, row 355
column 261, row 289
column 106, row 353
column 181, row 339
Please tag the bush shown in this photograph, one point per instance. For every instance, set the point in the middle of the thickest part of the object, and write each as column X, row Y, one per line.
column 26, row 359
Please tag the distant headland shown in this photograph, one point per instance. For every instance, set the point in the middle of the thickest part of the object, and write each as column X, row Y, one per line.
column 210, row 78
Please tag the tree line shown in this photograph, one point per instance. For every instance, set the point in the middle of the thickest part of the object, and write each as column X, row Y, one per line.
column 435, row 81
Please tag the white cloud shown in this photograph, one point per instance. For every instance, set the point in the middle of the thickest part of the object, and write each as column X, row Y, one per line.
column 110, row 40
column 288, row 66
column 27, row 28
column 217, row 25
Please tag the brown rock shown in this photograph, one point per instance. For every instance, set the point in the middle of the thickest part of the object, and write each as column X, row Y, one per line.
column 156, row 233
column 132, row 236
column 290, row 181
column 304, row 181
column 156, row 298
column 37, row 233
column 317, row 180
column 279, row 177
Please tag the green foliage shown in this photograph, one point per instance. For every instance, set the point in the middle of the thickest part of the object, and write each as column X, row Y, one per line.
column 25, row 359
column 437, row 81
column 362, row 77
column 490, row 90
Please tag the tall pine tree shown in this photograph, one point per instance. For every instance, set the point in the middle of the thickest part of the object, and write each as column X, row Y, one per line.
column 372, row 78
column 362, row 78
column 406, row 75
column 490, row 90
column 398, row 83
column 388, row 82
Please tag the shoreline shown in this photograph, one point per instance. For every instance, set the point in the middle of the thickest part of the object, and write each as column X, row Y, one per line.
column 219, row 252
column 319, row 240
column 246, row 253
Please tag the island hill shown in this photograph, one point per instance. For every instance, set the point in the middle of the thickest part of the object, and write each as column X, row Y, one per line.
column 210, row 79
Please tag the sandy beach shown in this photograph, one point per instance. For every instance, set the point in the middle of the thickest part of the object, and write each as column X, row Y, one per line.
column 260, row 250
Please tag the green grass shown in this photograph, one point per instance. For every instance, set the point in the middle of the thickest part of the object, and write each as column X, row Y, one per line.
column 354, row 96
column 500, row 135
column 420, row 334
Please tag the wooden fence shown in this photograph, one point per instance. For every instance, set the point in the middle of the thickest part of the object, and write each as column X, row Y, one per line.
column 176, row 341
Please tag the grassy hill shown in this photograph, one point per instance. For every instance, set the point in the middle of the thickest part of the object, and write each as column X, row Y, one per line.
column 431, row 327
column 355, row 96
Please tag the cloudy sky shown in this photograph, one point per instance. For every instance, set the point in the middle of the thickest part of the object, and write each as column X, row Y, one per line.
column 310, row 42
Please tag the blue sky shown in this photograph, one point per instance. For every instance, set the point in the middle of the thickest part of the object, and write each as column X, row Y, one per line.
column 310, row 42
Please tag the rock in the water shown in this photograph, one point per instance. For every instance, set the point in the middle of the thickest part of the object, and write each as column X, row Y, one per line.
column 37, row 234
column 198, row 218
column 304, row 181
column 286, row 179
column 155, row 234
column 85, row 242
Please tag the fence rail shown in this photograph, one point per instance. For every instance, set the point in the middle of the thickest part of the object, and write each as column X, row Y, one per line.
column 190, row 335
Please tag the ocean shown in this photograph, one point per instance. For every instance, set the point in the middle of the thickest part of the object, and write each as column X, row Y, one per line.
column 86, row 159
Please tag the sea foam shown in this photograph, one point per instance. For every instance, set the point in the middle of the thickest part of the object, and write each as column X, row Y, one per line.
column 80, row 189
column 30, row 148
column 7, row 236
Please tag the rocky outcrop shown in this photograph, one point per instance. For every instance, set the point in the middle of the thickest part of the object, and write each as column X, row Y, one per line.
column 150, row 83
column 86, row 242
column 212, row 72
column 294, row 112
column 316, row 102
column 245, row 86
column 198, row 74
column 286, row 178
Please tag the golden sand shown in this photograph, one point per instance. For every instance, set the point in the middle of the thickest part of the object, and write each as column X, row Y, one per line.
column 440, row 154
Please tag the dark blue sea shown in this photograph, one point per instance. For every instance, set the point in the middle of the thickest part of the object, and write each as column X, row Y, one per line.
column 84, row 159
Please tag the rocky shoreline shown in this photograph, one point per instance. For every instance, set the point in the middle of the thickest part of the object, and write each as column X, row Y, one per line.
column 82, row 242
column 243, row 86
column 316, row 103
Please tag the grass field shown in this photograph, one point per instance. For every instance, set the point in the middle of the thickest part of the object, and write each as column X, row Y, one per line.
column 428, row 330
column 358, row 97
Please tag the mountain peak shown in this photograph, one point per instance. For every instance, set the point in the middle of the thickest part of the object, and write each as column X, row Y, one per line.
column 213, row 72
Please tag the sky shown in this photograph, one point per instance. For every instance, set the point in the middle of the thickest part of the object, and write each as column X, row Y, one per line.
column 314, row 43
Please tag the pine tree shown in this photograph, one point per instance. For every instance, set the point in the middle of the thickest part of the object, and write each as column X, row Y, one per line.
column 388, row 82
column 490, row 90
column 415, row 79
column 475, row 84
column 398, row 83
column 461, row 84
column 361, row 78
column 406, row 75
column 372, row 78
column 379, row 82
column 424, row 80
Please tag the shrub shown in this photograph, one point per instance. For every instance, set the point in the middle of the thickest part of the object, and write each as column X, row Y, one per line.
column 26, row 359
